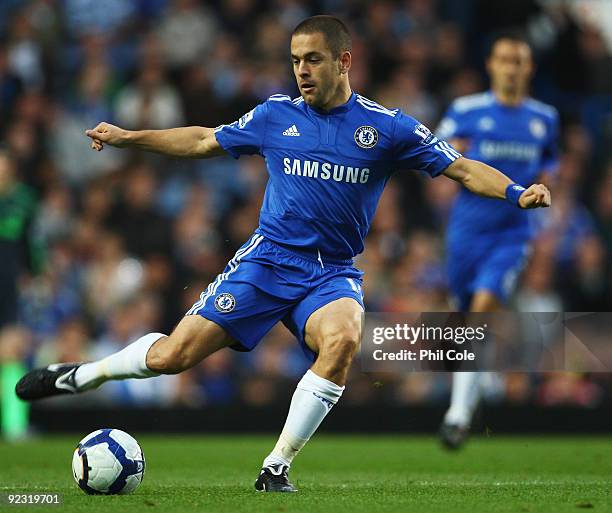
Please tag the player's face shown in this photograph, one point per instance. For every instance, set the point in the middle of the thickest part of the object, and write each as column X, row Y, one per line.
column 510, row 66
column 317, row 73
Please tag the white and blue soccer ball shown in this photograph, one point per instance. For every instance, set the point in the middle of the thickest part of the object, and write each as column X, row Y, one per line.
column 108, row 461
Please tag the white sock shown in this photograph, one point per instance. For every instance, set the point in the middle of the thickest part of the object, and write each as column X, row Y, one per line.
column 311, row 402
column 464, row 398
column 130, row 362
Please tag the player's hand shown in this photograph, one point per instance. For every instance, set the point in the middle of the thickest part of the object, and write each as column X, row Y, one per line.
column 105, row 133
column 537, row 196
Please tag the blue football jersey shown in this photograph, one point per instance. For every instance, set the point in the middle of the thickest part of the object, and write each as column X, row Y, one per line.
column 520, row 141
column 327, row 170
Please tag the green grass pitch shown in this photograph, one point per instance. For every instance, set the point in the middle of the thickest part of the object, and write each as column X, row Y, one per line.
column 335, row 474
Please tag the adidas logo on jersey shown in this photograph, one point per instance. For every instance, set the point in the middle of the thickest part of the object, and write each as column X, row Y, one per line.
column 292, row 131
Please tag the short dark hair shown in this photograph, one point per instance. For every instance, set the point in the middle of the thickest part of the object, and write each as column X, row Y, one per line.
column 516, row 36
column 333, row 29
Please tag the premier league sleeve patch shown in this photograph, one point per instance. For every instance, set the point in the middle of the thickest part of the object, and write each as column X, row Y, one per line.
column 225, row 302
column 246, row 118
column 425, row 134
column 366, row 136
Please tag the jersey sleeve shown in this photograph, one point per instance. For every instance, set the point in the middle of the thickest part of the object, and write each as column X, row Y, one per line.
column 415, row 147
column 245, row 136
column 550, row 153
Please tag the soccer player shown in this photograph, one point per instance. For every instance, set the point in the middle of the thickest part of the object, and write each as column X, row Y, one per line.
column 329, row 155
column 488, row 242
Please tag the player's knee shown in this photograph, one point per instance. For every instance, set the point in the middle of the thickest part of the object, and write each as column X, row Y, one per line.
column 338, row 350
column 170, row 356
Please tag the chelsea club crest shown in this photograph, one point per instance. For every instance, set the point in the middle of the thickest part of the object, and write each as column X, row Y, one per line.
column 225, row 302
column 366, row 136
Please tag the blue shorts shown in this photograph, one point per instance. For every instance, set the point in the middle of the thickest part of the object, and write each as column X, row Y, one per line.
column 493, row 265
column 265, row 283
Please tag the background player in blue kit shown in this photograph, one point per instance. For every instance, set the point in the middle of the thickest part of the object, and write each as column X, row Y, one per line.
column 488, row 242
column 329, row 155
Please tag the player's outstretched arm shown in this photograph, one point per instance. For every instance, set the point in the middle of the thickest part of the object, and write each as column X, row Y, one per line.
column 487, row 181
column 185, row 142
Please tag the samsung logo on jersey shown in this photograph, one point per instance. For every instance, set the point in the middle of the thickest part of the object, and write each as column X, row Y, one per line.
column 508, row 150
column 326, row 171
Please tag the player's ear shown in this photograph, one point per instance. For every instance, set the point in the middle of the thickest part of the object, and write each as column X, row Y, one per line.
column 344, row 63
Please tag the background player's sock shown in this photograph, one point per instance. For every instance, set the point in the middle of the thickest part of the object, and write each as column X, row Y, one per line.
column 311, row 402
column 464, row 398
column 130, row 362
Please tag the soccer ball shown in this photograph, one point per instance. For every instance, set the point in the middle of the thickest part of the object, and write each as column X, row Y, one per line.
column 108, row 461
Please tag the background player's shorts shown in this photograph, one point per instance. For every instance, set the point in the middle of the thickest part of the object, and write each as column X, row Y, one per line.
column 494, row 266
column 265, row 283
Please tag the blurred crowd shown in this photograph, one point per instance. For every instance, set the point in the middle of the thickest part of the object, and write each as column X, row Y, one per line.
column 108, row 246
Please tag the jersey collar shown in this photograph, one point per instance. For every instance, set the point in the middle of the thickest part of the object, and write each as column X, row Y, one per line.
column 345, row 107
column 493, row 96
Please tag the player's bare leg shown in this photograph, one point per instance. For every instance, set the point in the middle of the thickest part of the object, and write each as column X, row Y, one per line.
column 334, row 333
column 192, row 340
column 466, row 387
column 485, row 301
